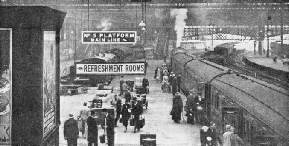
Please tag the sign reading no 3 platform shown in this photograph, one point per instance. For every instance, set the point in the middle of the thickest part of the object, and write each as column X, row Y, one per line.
column 109, row 37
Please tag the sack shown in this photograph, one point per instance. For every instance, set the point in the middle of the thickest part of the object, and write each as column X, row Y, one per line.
column 120, row 120
column 141, row 121
column 199, row 108
column 131, row 122
column 102, row 138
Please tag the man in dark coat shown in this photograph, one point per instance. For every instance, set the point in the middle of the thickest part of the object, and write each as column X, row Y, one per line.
column 145, row 84
column 71, row 131
column 191, row 107
column 127, row 96
column 108, row 124
column 118, row 111
column 177, row 108
column 200, row 105
column 92, row 135
column 137, row 111
column 212, row 132
column 120, row 85
column 125, row 112
column 174, row 84
column 204, row 135
column 156, row 72
column 179, row 80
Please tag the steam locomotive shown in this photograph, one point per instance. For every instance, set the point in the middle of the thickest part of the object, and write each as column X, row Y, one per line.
column 258, row 110
column 222, row 53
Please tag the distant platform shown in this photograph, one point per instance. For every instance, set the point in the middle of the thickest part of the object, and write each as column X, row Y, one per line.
column 262, row 60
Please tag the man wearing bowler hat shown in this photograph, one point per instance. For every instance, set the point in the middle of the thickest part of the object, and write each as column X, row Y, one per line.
column 71, row 131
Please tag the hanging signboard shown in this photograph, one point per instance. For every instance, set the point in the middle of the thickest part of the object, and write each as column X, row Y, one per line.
column 111, row 68
column 109, row 37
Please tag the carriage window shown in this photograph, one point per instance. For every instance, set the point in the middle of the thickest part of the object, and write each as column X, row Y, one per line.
column 214, row 93
column 217, row 100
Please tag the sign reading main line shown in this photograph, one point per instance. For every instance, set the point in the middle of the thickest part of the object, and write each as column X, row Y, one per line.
column 111, row 68
column 109, row 37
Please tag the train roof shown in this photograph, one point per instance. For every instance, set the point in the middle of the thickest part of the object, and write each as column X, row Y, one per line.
column 182, row 56
column 205, row 69
column 266, row 102
column 227, row 45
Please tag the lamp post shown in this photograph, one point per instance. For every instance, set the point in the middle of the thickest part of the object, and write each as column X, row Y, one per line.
column 143, row 29
column 268, row 33
column 74, row 58
column 88, row 14
column 211, row 24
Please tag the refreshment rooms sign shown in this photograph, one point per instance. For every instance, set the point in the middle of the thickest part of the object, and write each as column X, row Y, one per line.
column 109, row 37
column 111, row 68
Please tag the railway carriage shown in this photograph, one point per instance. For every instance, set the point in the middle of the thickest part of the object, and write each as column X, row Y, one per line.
column 258, row 110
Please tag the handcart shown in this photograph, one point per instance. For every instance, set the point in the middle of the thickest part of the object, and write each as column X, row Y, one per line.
column 138, row 85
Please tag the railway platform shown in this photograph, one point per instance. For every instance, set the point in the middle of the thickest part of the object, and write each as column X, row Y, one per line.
column 157, row 115
column 264, row 61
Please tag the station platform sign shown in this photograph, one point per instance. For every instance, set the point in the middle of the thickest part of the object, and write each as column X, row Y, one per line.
column 109, row 37
column 115, row 68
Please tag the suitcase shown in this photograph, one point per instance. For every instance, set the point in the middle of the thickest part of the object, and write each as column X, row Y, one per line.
column 148, row 139
column 131, row 122
column 102, row 138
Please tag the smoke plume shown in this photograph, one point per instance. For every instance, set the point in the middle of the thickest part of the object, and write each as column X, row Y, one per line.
column 180, row 16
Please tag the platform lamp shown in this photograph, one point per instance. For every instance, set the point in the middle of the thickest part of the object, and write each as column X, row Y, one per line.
column 143, row 29
column 211, row 24
column 268, row 33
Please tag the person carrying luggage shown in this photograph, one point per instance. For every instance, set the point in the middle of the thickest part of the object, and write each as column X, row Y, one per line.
column 177, row 108
column 125, row 112
column 137, row 111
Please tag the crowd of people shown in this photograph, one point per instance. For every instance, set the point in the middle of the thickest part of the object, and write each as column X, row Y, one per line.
column 130, row 113
column 210, row 137
column 169, row 80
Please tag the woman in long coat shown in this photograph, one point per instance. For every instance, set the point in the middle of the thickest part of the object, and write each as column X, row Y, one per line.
column 92, row 136
column 118, row 111
column 137, row 111
column 125, row 114
column 177, row 108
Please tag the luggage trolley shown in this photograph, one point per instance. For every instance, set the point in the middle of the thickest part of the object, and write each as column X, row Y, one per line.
column 138, row 85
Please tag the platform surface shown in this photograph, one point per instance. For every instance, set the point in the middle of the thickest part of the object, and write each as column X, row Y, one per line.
column 267, row 62
column 158, row 118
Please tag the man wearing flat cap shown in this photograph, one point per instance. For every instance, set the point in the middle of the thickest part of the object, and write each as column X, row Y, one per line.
column 71, row 131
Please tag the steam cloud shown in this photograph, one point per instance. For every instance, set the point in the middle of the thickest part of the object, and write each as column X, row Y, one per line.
column 180, row 16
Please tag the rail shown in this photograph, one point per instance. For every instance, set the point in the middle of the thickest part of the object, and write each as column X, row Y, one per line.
column 238, row 65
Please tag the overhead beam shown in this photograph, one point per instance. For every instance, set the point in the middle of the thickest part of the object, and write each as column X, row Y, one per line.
column 112, row 6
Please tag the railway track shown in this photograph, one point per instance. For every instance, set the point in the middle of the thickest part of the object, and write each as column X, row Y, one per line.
column 237, row 64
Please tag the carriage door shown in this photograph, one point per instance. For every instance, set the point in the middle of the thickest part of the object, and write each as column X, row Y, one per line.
column 232, row 116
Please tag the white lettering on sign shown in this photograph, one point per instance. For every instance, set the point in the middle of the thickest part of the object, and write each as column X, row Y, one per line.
column 109, row 37
column 110, row 68
column 48, row 122
column 4, row 132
